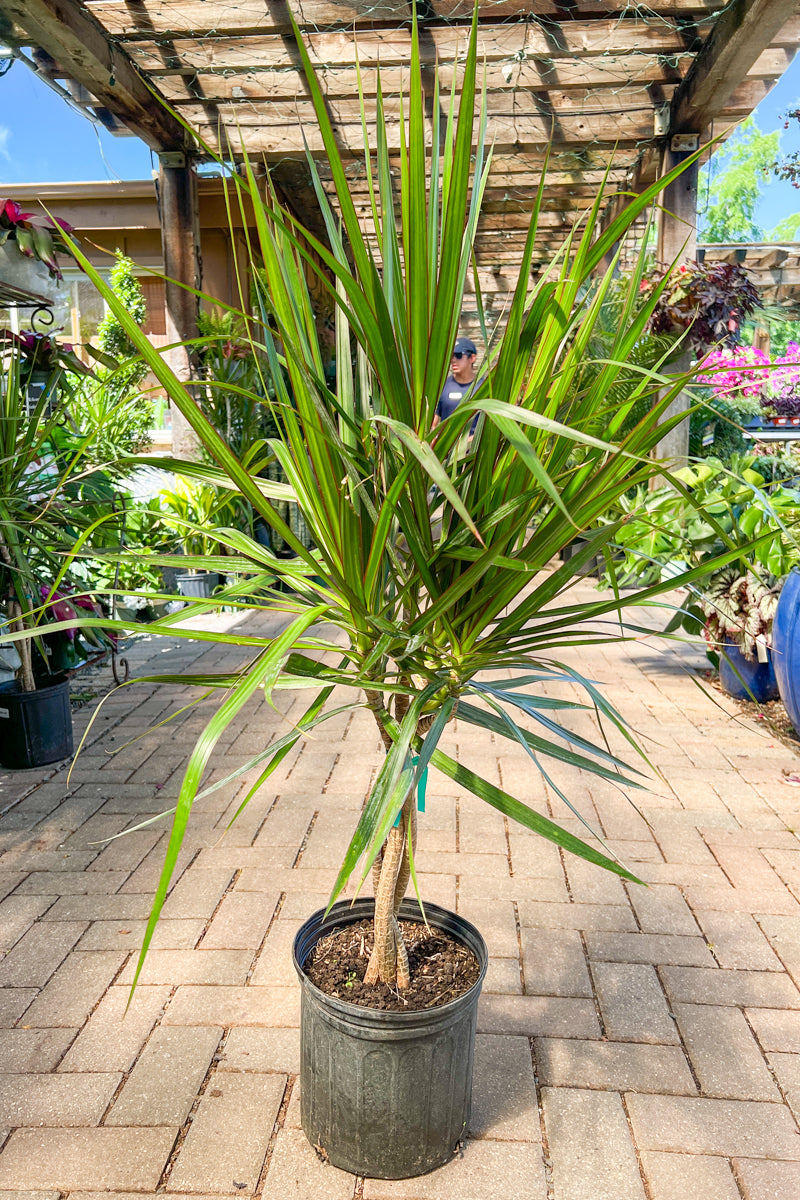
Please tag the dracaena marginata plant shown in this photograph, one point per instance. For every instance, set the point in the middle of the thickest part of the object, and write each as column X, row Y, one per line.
column 52, row 503
column 431, row 550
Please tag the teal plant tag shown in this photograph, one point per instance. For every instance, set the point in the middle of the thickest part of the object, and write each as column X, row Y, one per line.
column 421, row 786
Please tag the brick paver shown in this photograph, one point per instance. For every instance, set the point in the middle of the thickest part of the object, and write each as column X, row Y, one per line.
column 632, row 1042
column 504, row 1101
column 101, row 1159
column 632, row 1003
column 724, row 1054
column 613, row 1066
column 690, row 1177
column 55, row 1099
column 738, row 942
column 163, row 1085
column 33, row 1050
column 228, row 1138
column 486, row 1170
column 768, row 1181
column 725, row 1127
column 590, row 1146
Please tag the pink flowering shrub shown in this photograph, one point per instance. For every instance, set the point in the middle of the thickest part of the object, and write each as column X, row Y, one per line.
column 748, row 372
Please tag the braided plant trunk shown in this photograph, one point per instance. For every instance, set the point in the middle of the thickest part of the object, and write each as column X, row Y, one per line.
column 16, row 624
column 391, row 872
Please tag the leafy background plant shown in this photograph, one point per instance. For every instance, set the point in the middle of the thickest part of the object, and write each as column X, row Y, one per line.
column 109, row 406
column 52, row 503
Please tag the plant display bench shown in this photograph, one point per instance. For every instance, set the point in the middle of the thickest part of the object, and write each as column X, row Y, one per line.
column 774, row 433
column 27, row 283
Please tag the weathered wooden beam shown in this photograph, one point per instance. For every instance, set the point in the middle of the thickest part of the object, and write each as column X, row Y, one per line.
column 677, row 227
column 607, row 73
column 607, row 117
column 516, row 42
column 252, row 83
column 275, row 131
column 127, row 18
column 715, row 88
column 624, row 108
column 740, row 35
column 677, row 239
column 744, row 31
column 83, row 51
column 772, row 258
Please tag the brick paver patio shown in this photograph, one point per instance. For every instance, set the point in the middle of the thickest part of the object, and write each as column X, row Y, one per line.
column 633, row 1044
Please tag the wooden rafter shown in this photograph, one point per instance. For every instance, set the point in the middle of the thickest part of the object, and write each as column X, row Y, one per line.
column 83, row 50
column 742, row 32
column 722, row 65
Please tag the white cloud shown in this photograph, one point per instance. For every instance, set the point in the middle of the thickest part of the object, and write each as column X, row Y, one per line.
column 5, row 134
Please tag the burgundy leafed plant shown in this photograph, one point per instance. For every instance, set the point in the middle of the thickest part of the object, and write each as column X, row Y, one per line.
column 711, row 301
column 39, row 352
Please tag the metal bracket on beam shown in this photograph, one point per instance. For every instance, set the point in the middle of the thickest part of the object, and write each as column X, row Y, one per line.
column 661, row 121
column 172, row 158
column 684, row 143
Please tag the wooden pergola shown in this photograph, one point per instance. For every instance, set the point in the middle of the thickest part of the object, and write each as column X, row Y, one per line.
column 605, row 83
column 615, row 87
column 774, row 268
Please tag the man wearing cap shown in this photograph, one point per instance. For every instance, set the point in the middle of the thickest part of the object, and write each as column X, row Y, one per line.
column 459, row 382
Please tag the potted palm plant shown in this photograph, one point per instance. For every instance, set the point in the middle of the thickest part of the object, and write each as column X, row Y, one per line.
column 193, row 509
column 429, row 592
column 45, row 504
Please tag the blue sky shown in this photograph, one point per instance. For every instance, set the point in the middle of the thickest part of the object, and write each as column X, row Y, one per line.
column 43, row 140
column 780, row 199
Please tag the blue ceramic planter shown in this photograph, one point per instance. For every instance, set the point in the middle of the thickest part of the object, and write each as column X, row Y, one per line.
column 786, row 646
column 749, row 680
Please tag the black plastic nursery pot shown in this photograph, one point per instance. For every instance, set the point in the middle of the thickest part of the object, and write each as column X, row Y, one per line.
column 35, row 727
column 386, row 1094
column 200, row 585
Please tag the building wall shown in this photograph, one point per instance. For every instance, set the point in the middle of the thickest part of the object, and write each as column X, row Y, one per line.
column 110, row 216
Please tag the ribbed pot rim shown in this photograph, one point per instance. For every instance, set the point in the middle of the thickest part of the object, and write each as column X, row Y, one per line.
column 346, row 913
column 12, row 689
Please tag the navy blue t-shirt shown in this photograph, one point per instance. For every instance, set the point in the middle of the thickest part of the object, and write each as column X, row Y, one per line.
column 453, row 393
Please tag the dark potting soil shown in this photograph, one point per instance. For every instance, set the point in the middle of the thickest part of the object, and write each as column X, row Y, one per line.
column 441, row 968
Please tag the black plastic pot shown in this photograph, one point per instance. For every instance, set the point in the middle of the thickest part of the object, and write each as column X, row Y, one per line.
column 592, row 567
column 35, row 727
column 386, row 1094
column 199, row 584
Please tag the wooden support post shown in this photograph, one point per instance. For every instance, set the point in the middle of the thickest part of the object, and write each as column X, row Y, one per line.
column 677, row 239
column 180, row 243
column 677, row 226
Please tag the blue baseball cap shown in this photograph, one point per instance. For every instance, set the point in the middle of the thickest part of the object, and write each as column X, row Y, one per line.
column 464, row 346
